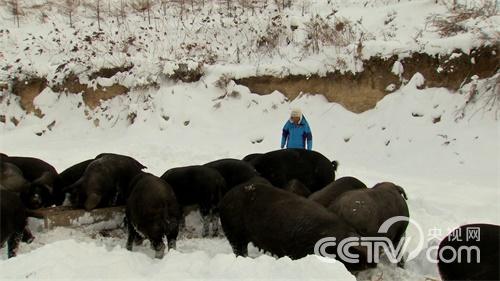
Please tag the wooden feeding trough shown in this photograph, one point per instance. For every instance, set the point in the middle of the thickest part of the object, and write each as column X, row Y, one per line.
column 72, row 217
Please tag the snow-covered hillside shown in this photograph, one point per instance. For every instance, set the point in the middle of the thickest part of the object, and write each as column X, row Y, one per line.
column 249, row 39
column 442, row 147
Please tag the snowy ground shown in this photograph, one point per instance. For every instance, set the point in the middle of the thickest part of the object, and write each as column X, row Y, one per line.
column 449, row 170
column 444, row 153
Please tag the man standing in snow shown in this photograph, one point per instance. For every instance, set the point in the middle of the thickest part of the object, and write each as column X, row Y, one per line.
column 296, row 132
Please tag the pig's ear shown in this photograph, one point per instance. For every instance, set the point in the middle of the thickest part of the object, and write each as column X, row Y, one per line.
column 92, row 201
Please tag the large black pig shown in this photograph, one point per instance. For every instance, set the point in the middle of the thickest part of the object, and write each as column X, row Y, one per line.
column 74, row 173
column 280, row 222
column 11, row 178
column 105, row 182
column 251, row 157
column 233, row 171
column 366, row 209
column 69, row 178
column 13, row 221
column 201, row 186
column 44, row 189
column 297, row 187
column 309, row 167
column 255, row 180
column 294, row 186
column 152, row 212
column 470, row 252
column 333, row 190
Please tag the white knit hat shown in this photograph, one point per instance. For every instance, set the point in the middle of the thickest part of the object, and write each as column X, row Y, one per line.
column 296, row 112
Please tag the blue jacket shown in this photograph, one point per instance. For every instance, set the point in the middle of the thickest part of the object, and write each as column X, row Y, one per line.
column 296, row 136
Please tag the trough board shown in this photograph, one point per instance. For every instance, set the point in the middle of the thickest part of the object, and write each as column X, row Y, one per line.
column 73, row 217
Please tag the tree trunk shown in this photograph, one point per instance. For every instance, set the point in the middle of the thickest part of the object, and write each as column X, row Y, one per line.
column 16, row 12
column 149, row 17
column 70, row 19
column 122, row 10
column 98, row 10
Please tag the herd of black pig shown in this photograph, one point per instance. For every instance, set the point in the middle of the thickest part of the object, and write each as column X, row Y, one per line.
column 283, row 201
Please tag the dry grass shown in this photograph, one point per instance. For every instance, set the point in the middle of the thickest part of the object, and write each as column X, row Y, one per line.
column 447, row 26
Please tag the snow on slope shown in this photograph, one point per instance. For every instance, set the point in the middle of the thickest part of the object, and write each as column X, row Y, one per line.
column 259, row 41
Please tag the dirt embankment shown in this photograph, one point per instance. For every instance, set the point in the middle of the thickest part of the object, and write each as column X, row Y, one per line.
column 28, row 89
column 357, row 92
column 361, row 91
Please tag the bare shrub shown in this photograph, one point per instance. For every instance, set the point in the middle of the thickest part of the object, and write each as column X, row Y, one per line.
column 187, row 74
column 283, row 4
column 305, row 6
column 482, row 96
column 119, row 11
column 182, row 7
column 143, row 6
column 454, row 24
column 272, row 37
column 314, row 28
column 16, row 8
column 323, row 32
column 68, row 8
column 484, row 7
column 223, row 81
column 131, row 117
column 96, row 7
column 447, row 26
column 226, row 5
column 163, row 5
column 248, row 5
